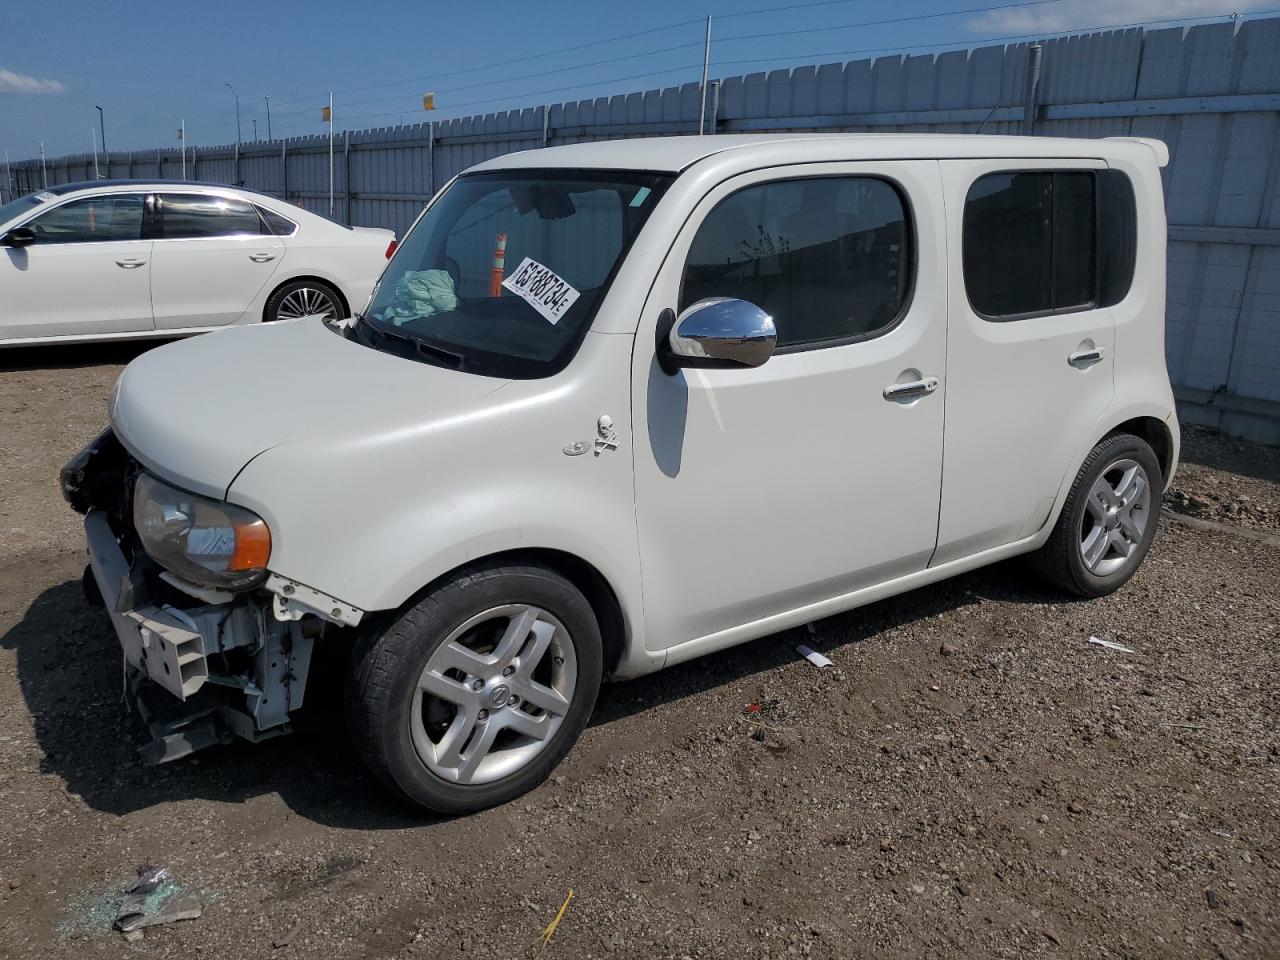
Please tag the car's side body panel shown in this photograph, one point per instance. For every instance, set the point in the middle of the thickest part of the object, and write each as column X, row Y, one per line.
column 797, row 480
column 1015, row 405
column 373, row 516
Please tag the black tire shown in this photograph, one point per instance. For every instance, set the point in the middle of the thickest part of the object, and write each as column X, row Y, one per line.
column 1061, row 560
column 393, row 651
column 282, row 299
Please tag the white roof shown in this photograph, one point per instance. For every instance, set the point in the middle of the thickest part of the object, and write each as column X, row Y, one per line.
column 673, row 154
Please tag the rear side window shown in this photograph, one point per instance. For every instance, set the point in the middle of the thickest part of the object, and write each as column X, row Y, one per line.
column 1044, row 242
column 828, row 258
column 194, row 215
column 280, row 226
column 91, row 220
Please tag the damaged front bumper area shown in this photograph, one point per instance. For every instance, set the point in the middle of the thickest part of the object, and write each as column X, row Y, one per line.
column 202, row 666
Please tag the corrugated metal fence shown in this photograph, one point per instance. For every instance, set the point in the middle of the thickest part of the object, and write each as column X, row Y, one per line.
column 1212, row 93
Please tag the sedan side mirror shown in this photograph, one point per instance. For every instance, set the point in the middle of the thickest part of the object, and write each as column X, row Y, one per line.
column 18, row 237
column 716, row 332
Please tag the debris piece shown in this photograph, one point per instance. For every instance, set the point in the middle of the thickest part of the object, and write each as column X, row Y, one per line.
column 282, row 941
column 154, row 898
column 549, row 931
column 766, row 711
column 1110, row 645
column 813, row 656
column 947, row 649
column 1211, row 897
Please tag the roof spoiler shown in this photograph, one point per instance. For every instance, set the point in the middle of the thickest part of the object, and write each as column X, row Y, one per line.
column 1158, row 147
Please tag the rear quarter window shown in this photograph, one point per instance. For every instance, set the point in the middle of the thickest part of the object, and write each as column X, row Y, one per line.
column 1040, row 242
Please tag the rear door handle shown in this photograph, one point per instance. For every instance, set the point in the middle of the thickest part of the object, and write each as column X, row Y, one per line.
column 912, row 390
column 1086, row 358
column 261, row 257
column 130, row 263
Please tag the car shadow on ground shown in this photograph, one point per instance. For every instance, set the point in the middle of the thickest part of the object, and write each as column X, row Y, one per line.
column 68, row 356
column 70, row 672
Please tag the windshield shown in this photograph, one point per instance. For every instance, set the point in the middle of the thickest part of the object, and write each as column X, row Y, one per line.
column 16, row 208
column 504, row 272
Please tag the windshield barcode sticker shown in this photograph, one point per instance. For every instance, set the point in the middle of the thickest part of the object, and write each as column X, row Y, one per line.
column 542, row 288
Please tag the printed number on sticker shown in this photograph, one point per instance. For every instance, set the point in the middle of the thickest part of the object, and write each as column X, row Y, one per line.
column 542, row 288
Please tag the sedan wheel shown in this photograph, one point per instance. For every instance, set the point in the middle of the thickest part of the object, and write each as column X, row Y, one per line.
column 307, row 301
column 493, row 694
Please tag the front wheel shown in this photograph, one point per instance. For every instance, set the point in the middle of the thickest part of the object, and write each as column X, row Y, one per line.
column 1108, row 521
column 471, row 696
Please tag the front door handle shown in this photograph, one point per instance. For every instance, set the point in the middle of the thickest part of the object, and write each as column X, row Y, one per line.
column 261, row 257
column 911, row 390
column 1086, row 358
column 131, row 263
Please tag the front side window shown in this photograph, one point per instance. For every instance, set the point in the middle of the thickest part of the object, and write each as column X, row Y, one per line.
column 91, row 220
column 503, row 273
column 1044, row 242
column 195, row 215
column 828, row 258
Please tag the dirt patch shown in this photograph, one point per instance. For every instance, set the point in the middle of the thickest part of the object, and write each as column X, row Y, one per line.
column 1020, row 793
column 1227, row 480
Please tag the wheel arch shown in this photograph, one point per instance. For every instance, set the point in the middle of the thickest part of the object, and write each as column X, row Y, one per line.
column 581, row 573
column 329, row 282
column 1155, row 424
column 1158, row 436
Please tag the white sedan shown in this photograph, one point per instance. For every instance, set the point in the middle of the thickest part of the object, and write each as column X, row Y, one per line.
column 125, row 259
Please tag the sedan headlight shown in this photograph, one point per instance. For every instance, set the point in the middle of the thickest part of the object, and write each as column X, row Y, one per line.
column 207, row 542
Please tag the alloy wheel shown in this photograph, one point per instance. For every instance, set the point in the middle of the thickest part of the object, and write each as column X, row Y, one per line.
column 1117, row 511
column 493, row 694
column 307, row 302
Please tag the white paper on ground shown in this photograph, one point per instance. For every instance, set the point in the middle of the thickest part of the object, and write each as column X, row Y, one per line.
column 813, row 656
column 1110, row 645
column 542, row 288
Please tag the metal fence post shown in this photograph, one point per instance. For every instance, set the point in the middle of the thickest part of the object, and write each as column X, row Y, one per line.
column 346, row 176
column 284, row 170
column 546, row 125
column 1031, row 98
column 715, row 107
column 431, row 158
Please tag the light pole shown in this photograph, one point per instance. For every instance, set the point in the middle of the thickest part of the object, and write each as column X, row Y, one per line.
column 268, row 99
column 106, row 157
column 237, row 96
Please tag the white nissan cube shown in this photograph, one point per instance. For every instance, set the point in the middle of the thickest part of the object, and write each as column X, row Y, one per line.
column 616, row 405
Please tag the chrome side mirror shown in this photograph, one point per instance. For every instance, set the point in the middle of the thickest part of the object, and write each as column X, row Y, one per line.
column 717, row 332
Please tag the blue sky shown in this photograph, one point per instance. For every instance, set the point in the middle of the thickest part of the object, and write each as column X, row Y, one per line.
column 151, row 65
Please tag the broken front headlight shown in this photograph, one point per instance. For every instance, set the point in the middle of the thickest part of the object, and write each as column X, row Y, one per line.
column 207, row 542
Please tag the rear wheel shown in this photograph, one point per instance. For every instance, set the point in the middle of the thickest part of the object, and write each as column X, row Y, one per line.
column 304, row 298
column 1108, row 521
column 471, row 696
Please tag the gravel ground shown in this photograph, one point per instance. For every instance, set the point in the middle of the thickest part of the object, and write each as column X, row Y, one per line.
column 973, row 779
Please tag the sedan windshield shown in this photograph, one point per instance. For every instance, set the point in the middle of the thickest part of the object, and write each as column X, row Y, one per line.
column 15, row 208
column 504, row 272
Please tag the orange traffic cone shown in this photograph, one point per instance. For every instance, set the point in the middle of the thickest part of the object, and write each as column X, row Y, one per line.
column 499, row 267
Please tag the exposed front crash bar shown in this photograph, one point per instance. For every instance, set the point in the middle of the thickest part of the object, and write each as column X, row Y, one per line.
column 234, row 667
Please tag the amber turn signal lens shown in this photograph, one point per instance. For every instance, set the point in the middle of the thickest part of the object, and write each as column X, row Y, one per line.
column 253, row 546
